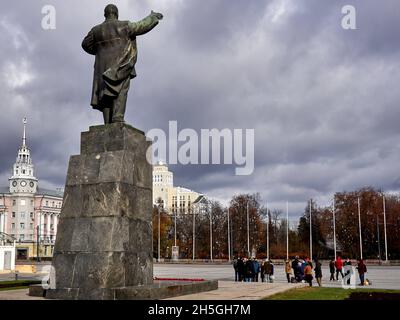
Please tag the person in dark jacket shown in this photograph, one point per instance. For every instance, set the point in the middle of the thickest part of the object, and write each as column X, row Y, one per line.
column 248, row 270
column 332, row 270
column 271, row 276
column 318, row 272
column 362, row 269
column 267, row 270
column 296, row 266
column 235, row 267
column 241, row 269
column 262, row 271
column 256, row 270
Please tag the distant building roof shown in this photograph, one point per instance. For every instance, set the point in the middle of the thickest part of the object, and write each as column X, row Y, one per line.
column 200, row 199
column 51, row 193
column 40, row 192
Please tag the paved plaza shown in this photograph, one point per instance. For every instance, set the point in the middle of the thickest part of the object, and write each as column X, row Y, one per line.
column 382, row 277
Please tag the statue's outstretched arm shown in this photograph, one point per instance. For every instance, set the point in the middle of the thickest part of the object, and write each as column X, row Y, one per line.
column 147, row 24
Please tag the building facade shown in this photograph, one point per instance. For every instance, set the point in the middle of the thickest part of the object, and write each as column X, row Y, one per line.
column 28, row 213
column 170, row 198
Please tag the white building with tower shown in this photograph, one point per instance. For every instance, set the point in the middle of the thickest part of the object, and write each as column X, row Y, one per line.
column 169, row 197
column 28, row 213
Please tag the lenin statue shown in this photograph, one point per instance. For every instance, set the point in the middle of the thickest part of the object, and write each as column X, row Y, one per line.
column 114, row 44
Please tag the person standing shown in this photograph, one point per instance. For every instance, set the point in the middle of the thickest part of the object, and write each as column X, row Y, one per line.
column 362, row 269
column 347, row 265
column 262, row 270
column 267, row 270
column 236, row 268
column 308, row 274
column 271, row 271
column 332, row 270
column 339, row 267
column 256, row 269
column 248, row 270
column 318, row 272
column 288, row 270
column 241, row 269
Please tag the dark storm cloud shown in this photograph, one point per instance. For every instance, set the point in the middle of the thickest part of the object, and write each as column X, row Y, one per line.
column 323, row 101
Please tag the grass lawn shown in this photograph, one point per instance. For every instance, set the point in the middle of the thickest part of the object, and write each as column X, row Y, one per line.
column 316, row 293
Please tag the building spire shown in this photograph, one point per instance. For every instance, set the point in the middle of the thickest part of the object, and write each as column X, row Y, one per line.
column 24, row 121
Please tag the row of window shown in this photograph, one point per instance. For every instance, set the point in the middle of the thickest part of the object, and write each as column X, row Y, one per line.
column 22, row 215
column 22, row 226
column 47, row 203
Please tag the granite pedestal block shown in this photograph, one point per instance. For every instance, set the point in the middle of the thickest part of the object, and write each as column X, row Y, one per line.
column 104, row 238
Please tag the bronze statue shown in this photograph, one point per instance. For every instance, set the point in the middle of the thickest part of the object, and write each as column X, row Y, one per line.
column 114, row 44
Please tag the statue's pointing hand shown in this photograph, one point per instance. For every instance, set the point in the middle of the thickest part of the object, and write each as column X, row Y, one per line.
column 159, row 16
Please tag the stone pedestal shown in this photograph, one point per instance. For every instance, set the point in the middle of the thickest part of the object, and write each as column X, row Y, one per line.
column 104, row 239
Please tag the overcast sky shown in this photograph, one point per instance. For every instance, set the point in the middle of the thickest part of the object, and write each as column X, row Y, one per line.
column 324, row 101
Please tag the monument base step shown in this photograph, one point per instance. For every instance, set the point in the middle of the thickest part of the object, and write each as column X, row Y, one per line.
column 157, row 291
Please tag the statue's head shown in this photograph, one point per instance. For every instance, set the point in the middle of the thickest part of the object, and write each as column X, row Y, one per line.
column 110, row 11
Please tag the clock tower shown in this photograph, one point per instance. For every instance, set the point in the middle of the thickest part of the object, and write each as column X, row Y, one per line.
column 23, row 179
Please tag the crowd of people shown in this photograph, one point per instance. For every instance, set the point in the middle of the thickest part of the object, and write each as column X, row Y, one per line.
column 296, row 270
column 251, row 270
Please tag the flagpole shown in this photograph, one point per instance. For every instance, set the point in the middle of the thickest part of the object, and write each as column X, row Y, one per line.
column 384, row 223
column 311, row 230
column 334, row 226
column 287, row 230
column 229, row 237
column 359, row 227
column 267, row 233
column 248, row 231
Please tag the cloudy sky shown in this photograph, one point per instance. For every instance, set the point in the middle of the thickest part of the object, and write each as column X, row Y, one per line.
column 324, row 101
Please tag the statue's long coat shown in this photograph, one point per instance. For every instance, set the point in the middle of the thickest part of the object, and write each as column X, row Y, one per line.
column 114, row 44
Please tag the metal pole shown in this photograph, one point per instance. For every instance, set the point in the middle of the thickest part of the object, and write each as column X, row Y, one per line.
column 159, row 234
column 334, row 226
column 211, row 239
column 194, row 232
column 384, row 223
column 37, row 244
column 359, row 227
column 311, row 257
column 267, row 233
column 229, row 238
column 379, row 238
column 248, row 231
column 287, row 230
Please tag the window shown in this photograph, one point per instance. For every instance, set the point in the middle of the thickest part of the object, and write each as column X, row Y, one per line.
column 22, row 226
column 22, row 215
column 13, row 226
column 13, row 214
column 14, row 202
column 31, row 226
column 31, row 215
column 22, row 237
column 23, row 202
column 47, row 203
column 52, row 204
column 23, row 171
column 16, row 171
column 32, row 202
